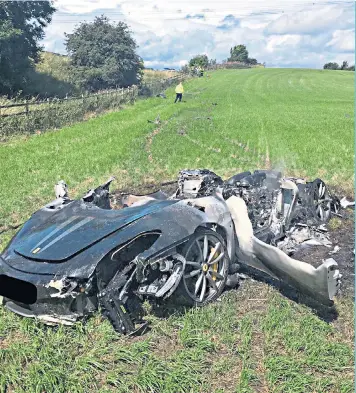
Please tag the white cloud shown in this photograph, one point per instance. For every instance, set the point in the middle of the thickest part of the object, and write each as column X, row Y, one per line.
column 313, row 20
column 286, row 41
column 280, row 33
column 343, row 40
column 85, row 6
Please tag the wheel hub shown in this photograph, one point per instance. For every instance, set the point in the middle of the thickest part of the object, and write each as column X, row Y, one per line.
column 206, row 267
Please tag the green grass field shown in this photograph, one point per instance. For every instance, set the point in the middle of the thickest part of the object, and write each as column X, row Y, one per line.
column 255, row 339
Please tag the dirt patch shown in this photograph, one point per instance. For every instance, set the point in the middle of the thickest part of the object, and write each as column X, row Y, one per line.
column 165, row 347
column 342, row 234
column 168, row 187
column 268, row 160
column 149, row 142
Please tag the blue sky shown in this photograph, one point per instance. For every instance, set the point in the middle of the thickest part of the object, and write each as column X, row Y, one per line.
column 296, row 33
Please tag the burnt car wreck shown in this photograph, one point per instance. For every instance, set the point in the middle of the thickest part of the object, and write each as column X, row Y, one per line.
column 73, row 257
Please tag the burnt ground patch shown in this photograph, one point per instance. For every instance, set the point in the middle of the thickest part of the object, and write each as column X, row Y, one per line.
column 342, row 234
column 168, row 187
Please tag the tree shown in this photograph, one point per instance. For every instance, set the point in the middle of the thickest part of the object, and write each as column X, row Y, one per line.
column 103, row 55
column 199, row 61
column 22, row 26
column 185, row 69
column 331, row 66
column 213, row 63
column 238, row 53
column 344, row 66
column 252, row 61
column 351, row 68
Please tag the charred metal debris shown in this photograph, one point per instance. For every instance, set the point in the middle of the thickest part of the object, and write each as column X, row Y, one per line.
column 73, row 257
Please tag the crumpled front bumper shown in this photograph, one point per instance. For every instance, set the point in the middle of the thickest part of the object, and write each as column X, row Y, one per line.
column 39, row 296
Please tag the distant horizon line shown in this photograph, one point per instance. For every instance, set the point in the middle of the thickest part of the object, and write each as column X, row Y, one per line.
column 177, row 68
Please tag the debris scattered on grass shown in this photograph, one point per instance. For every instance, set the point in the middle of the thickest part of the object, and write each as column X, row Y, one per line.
column 157, row 121
column 335, row 250
column 203, row 118
column 345, row 203
column 61, row 189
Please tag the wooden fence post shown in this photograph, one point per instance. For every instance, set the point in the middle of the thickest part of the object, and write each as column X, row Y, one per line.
column 83, row 106
column 48, row 113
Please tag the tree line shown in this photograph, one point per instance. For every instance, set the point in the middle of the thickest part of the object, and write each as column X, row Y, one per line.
column 101, row 55
column 238, row 53
column 335, row 66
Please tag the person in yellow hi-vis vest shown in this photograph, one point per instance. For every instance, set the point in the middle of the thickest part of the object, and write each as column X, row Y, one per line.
column 179, row 92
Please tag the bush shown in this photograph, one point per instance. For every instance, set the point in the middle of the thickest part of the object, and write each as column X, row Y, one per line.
column 331, row 66
column 103, row 56
column 201, row 61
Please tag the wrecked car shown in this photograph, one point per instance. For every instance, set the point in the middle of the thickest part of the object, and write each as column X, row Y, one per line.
column 73, row 257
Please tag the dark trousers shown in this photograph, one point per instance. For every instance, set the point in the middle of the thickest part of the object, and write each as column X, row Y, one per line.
column 178, row 97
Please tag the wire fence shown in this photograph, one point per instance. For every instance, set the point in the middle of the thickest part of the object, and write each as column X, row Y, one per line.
column 30, row 117
column 157, row 86
column 235, row 65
